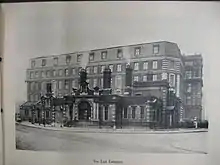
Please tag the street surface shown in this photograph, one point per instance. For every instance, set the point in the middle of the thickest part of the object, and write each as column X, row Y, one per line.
column 29, row 138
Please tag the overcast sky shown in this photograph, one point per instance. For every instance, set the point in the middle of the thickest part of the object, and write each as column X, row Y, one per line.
column 39, row 29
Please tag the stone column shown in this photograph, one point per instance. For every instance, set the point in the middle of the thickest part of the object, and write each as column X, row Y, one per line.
column 53, row 115
column 97, row 110
column 94, row 111
column 113, row 109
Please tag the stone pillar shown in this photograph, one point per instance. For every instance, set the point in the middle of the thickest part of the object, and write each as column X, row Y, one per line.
column 97, row 110
column 113, row 109
column 75, row 112
column 163, row 118
column 94, row 111
column 138, row 112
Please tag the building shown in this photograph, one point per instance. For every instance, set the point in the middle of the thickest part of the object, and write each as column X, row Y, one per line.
column 194, row 84
column 158, row 108
column 151, row 62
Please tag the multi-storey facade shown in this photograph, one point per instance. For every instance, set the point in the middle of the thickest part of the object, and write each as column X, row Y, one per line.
column 150, row 62
column 193, row 86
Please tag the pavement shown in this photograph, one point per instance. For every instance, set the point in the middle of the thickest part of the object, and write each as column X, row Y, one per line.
column 29, row 137
column 111, row 130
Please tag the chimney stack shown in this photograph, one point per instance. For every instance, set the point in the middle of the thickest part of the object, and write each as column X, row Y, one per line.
column 128, row 75
column 128, row 80
column 49, row 88
column 107, row 78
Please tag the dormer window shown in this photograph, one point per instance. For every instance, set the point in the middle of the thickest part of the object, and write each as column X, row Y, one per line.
column 43, row 62
column 79, row 57
column 155, row 49
column 104, row 55
column 137, row 51
column 68, row 59
column 55, row 61
column 33, row 64
column 91, row 56
column 119, row 53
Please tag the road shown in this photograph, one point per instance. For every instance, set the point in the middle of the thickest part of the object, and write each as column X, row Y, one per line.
column 49, row 140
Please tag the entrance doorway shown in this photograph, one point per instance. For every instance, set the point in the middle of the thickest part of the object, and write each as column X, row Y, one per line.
column 84, row 111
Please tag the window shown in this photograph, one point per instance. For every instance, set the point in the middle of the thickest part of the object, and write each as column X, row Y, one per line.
column 145, row 78
column 119, row 67
column 54, row 73
column 133, row 113
column 119, row 53
column 137, row 51
column 188, row 74
column 31, row 75
column 66, row 84
column 135, row 78
column 55, row 61
column 125, row 113
column 136, row 66
column 68, row 59
column 73, row 84
column 104, row 55
column 154, row 77
column 193, row 101
column 101, row 82
column 95, row 69
column 142, row 112
column 102, row 68
column 32, row 64
column 106, row 112
column 60, row 85
column 172, row 80
column 188, row 100
column 155, row 49
column 145, row 65
column 118, row 81
column 172, row 64
column 196, row 73
column 42, row 74
column 91, row 56
column 60, row 72
column 79, row 57
column 26, row 111
column 111, row 67
column 95, row 82
column 189, row 88
column 48, row 73
column 43, row 62
column 66, row 72
column 88, row 69
column 154, row 64
column 73, row 71
column 189, row 63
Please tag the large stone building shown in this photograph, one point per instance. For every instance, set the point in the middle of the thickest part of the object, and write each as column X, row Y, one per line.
column 158, row 61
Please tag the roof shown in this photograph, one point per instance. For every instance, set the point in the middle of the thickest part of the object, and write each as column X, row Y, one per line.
column 98, row 49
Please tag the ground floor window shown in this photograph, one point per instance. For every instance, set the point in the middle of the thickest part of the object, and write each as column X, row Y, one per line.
column 26, row 112
column 133, row 113
column 125, row 113
column 106, row 113
column 142, row 112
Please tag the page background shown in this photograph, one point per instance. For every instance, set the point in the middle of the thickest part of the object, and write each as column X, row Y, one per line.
column 37, row 29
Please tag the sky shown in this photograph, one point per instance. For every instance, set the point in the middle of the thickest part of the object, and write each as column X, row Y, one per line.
column 40, row 29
